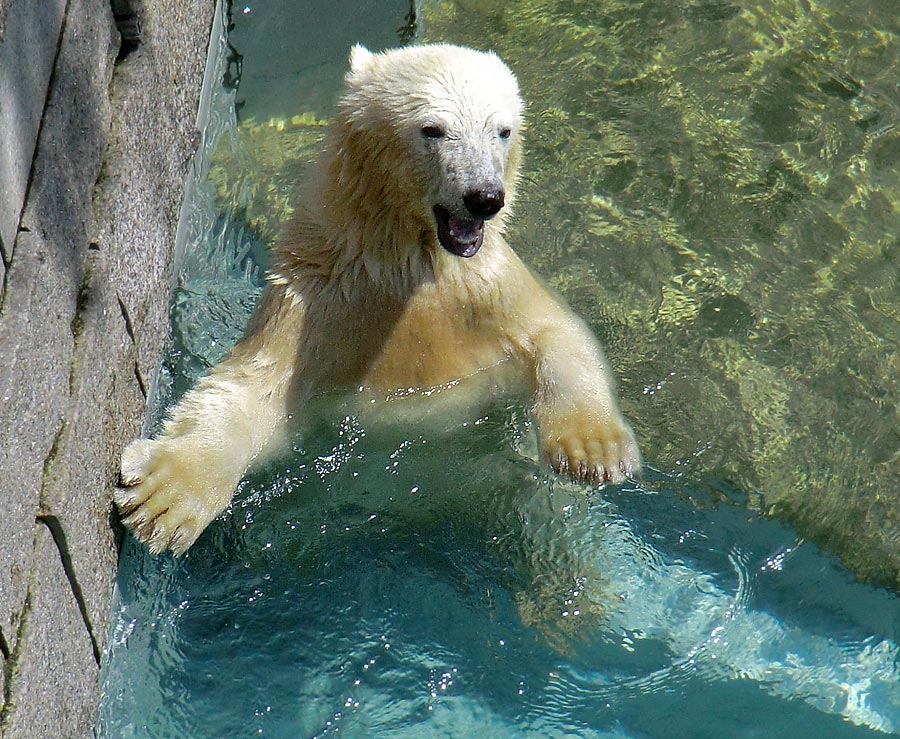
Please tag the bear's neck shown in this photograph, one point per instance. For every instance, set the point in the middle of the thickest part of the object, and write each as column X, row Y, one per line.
column 368, row 220
column 361, row 225
column 314, row 251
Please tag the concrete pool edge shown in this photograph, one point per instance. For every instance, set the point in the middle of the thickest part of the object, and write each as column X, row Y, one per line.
column 86, row 277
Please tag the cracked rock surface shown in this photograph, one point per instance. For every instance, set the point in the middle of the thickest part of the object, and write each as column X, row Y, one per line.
column 92, row 166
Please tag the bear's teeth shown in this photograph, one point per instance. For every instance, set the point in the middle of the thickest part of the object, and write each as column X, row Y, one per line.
column 464, row 231
column 460, row 236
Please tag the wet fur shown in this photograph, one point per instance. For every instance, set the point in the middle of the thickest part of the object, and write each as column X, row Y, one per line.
column 362, row 295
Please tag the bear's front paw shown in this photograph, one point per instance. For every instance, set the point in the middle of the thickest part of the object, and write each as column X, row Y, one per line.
column 592, row 448
column 168, row 494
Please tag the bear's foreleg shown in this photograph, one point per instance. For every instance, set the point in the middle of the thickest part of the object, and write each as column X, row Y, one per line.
column 582, row 432
column 173, row 486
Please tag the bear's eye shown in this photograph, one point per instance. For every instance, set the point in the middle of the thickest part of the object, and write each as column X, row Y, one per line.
column 433, row 131
column 505, row 132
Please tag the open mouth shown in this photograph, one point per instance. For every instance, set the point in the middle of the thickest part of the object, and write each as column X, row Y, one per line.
column 460, row 236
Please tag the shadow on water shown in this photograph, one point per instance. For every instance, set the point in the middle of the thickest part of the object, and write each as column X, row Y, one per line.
column 708, row 184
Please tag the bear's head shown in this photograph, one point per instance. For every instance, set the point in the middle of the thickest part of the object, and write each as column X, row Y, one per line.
column 426, row 146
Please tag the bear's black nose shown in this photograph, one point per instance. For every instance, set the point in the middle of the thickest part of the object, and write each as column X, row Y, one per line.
column 484, row 203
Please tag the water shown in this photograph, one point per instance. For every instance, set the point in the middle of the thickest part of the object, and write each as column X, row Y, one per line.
column 371, row 610
column 436, row 580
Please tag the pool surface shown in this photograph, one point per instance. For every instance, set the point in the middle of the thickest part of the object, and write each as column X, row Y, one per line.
column 714, row 187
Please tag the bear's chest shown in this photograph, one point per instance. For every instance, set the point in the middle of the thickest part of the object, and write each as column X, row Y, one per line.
column 430, row 340
column 430, row 351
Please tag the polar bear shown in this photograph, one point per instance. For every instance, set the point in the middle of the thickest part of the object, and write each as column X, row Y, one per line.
column 393, row 273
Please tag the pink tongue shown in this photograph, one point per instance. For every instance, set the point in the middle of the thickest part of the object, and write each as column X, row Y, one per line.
column 465, row 232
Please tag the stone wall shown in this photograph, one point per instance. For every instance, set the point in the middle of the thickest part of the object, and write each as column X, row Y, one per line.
column 98, row 100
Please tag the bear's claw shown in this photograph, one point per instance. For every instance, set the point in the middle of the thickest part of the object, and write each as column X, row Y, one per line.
column 135, row 461
column 162, row 499
column 593, row 451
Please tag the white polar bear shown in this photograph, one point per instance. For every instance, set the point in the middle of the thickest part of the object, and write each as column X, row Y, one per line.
column 393, row 273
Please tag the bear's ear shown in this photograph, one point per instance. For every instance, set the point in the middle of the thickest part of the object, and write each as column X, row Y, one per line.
column 360, row 59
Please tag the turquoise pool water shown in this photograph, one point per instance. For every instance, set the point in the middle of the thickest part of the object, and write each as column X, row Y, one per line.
column 437, row 581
